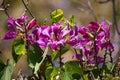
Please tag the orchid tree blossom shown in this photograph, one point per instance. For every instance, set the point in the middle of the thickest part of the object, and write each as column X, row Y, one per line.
column 19, row 27
column 90, row 40
column 52, row 35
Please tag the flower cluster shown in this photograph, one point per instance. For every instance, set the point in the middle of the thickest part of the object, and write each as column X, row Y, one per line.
column 94, row 37
column 53, row 36
column 19, row 26
column 89, row 40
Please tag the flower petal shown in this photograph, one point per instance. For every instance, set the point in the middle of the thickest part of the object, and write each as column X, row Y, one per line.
column 32, row 24
column 11, row 23
column 9, row 35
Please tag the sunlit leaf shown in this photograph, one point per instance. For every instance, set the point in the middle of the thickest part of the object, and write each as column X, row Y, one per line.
column 72, row 20
column 57, row 16
column 19, row 46
column 55, row 55
column 51, row 73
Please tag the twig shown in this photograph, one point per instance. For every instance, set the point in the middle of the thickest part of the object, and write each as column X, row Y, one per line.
column 60, row 58
column 5, row 8
column 27, row 8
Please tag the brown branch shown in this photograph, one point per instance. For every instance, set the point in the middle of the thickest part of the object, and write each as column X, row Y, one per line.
column 4, row 7
column 27, row 8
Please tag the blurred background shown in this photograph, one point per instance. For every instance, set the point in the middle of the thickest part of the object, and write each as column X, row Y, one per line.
column 84, row 11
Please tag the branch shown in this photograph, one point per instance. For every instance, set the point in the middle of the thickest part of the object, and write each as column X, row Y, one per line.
column 4, row 7
column 27, row 8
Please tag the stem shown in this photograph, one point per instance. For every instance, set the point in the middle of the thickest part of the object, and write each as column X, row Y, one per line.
column 60, row 58
column 27, row 8
column 95, row 51
column 6, row 13
column 111, row 59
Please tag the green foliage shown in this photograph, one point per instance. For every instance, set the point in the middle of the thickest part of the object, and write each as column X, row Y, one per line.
column 51, row 73
column 7, row 71
column 57, row 16
column 55, row 55
column 34, row 55
column 43, row 58
column 72, row 20
column 18, row 48
column 65, row 48
column 71, row 69
column 107, row 68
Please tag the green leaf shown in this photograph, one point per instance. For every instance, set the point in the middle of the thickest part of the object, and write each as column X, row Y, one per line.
column 54, row 73
column 51, row 73
column 55, row 55
column 110, row 66
column 43, row 58
column 65, row 75
column 19, row 46
column 57, row 16
column 7, row 72
column 15, row 56
column 48, row 72
column 71, row 69
column 65, row 48
column 34, row 55
column 72, row 20
column 86, row 77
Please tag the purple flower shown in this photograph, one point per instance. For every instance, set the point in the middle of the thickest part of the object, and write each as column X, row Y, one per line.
column 105, row 26
column 52, row 36
column 79, row 57
column 9, row 35
column 21, row 20
column 32, row 24
column 90, row 40
column 18, row 27
column 11, row 24
column 93, row 26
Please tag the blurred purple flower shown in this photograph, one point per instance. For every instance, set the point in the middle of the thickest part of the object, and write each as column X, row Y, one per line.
column 9, row 35
column 18, row 27
column 50, row 36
